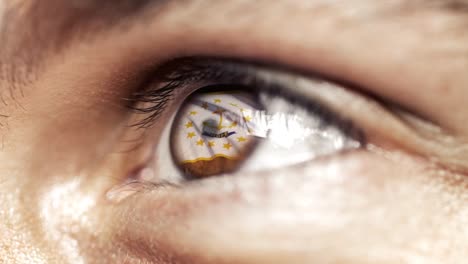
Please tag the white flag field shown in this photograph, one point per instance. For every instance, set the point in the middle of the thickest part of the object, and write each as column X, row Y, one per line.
column 213, row 125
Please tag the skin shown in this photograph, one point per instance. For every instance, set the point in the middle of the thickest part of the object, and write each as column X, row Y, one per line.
column 403, row 199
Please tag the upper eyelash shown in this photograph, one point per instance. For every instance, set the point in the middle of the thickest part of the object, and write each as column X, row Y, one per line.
column 181, row 72
column 173, row 75
column 157, row 99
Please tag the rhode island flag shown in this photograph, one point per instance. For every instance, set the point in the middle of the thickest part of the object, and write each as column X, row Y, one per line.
column 215, row 131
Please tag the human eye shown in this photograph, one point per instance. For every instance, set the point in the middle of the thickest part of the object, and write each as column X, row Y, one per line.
column 225, row 117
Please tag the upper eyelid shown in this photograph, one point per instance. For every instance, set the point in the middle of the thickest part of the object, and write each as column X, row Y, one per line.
column 156, row 94
column 203, row 72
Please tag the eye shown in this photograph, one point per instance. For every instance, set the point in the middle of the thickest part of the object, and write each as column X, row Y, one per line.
column 238, row 117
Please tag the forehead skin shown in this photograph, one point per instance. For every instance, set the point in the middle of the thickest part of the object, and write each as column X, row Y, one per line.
column 70, row 57
column 89, row 17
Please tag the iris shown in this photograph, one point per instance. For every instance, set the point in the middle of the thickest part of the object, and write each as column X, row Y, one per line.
column 215, row 132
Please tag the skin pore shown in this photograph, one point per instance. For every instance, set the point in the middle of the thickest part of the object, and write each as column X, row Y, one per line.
column 66, row 65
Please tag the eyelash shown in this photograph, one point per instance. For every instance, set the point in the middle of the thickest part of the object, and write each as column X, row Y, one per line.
column 153, row 100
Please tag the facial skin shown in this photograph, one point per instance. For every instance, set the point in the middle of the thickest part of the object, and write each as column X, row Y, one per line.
column 66, row 65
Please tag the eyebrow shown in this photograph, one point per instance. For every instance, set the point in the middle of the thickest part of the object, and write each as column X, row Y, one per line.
column 59, row 19
column 103, row 14
column 29, row 30
column 98, row 14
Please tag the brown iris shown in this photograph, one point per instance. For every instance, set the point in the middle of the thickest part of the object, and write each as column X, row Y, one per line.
column 215, row 131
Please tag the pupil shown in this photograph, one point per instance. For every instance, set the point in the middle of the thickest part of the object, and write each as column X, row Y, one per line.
column 214, row 132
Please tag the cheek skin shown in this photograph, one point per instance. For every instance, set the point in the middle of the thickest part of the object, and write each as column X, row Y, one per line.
column 358, row 208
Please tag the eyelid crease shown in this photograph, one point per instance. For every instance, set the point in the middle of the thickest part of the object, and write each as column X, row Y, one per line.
column 401, row 129
column 441, row 148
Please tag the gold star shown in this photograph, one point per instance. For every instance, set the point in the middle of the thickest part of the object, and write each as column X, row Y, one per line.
column 189, row 124
column 241, row 139
column 217, row 101
column 190, row 135
column 233, row 124
column 227, row 146
column 247, row 118
column 236, row 105
column 200, row 142
column 211, row 143
column 193, row 112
